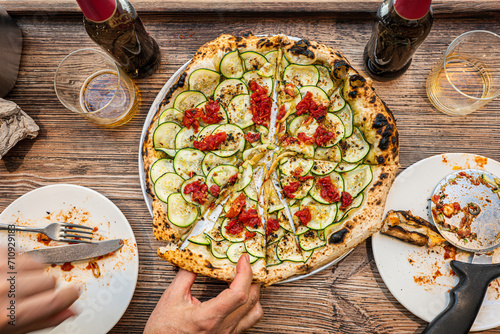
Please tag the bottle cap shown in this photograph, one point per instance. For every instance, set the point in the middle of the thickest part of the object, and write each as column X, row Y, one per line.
column 97, row 10
column 412, row 9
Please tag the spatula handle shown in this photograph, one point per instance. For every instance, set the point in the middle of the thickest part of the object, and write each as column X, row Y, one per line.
column 465, row 298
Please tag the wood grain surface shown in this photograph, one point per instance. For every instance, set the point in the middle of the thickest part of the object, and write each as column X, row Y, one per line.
column 441, row 7
column 350, row 297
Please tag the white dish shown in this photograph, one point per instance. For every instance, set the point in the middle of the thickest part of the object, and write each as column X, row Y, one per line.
column 418, row 277
column 105, row 299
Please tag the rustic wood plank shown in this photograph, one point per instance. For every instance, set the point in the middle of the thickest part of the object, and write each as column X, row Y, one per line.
column 441, row 7
column 347, row 298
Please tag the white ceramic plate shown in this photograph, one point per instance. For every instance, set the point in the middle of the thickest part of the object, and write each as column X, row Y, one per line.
column 103, row 300
column 418, row 277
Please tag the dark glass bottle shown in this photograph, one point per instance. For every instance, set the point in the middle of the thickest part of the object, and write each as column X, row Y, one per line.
column 402, row 25
column 115, row 26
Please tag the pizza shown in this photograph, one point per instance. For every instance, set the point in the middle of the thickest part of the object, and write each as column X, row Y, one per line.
column 272, row 146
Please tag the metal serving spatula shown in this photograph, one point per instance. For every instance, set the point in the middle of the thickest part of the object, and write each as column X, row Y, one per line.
column 476, row 229
column 11, row 45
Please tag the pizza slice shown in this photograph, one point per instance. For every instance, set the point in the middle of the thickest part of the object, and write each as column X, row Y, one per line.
column 407, row 227
column 215, row 253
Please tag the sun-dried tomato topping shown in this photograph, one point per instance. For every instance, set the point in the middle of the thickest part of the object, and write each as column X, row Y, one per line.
column 198, row 191
column 291, row 188
column 272, row 226
column 249, row 235
column 289, row 89
column 191, row 117
column 281, row 113
column 211, row 112
column 287, row 140
column 237, row 205
column 305, row 138
column 234, row 227
column 297, row 171
column 305, row 178
column 211, row 142
column 215, row 190
column 233, row 178
column 322, row 136
column 329, row 191
column 308, row 105
column 304, row 216
column 252, row 137
column 435, row 199
column 249, row 218
column 345, row 200
column 260, row 104
column 456, row 206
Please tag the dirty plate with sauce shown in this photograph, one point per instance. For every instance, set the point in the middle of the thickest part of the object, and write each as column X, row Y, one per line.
column 420, row 277
column 106, row 284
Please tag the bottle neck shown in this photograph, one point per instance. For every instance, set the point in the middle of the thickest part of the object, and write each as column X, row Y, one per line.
column 97, row 10
column 412, row 9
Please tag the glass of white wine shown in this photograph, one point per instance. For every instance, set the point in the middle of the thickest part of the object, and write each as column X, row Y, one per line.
column 89, row 82
column 468, row 75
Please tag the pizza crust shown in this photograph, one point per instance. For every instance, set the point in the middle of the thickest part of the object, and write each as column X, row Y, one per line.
column 198, row 259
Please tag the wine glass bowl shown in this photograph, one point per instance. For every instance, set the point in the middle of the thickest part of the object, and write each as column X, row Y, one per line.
column 468, row 75
column 89, row 82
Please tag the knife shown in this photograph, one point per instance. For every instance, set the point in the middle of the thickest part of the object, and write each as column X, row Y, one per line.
column 72, row 253
column 11, row 44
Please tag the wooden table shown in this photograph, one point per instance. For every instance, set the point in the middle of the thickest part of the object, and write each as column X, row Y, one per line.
column 347, row 298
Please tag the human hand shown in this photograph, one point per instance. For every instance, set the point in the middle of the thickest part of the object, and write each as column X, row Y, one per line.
column 36, row 303
column 234, row 310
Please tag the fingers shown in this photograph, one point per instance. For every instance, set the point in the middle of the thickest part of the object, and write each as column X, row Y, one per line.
column 33, row 282
column 237, row 295
column 24, row 262
column 182, row 283
column 45, row 305
column 50, row 322
column 250, row 319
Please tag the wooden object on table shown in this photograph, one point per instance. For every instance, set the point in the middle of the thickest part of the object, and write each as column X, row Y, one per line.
column 347, row 298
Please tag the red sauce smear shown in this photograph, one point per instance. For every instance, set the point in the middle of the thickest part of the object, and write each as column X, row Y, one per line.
column 305, row 178
column 272, row 226
column 291, row 188
column 260, row 104
column 211, row 142
column 42, row 238
column 450, row 252
column 308, row 105
column 198, row 191
column 252, row 137
column 287, row 140
column 323, row 136
column 67, row 266
column 215, row 190
column 236, row 207
column 304, row 216
column 305, row 138
column 345, row 200
column 296, row 173
column 329, row 191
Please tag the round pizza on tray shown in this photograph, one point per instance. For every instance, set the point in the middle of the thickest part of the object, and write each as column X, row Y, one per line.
column 281, row 139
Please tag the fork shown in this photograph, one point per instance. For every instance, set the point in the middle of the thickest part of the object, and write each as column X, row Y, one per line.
column 57, row 231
